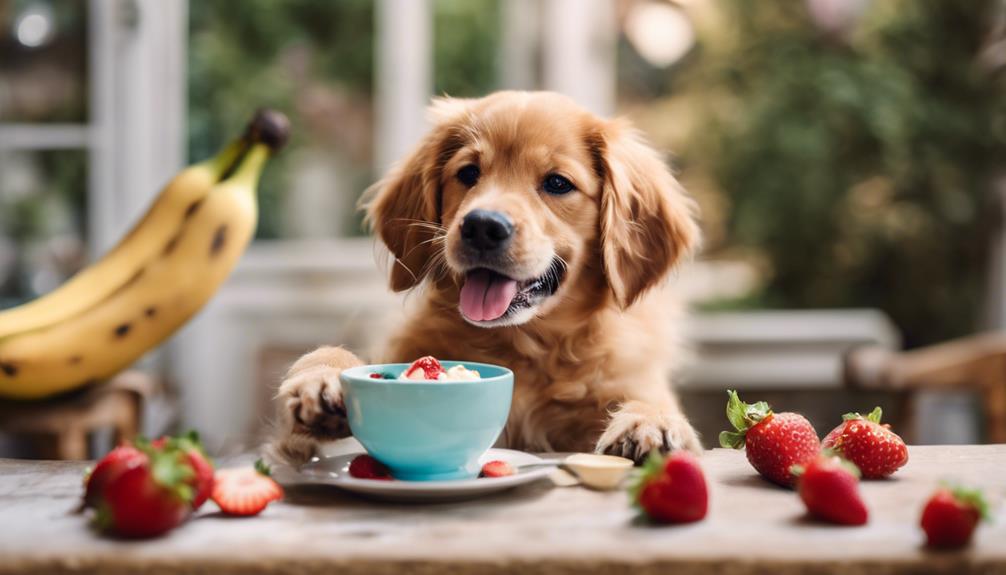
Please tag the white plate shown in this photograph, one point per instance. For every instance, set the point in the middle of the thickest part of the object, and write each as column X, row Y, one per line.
column 334, row 470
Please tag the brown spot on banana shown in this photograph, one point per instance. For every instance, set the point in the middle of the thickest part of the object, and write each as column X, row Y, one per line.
column 219, row 240
column 171, row 245
column 150, row 312
column 8, row 368
column 134, row 278
column 122, row 330
column 193, row 208
column 75, row 360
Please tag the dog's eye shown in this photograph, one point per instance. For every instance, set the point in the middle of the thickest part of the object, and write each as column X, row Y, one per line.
column 556, row 184
column 469, row 175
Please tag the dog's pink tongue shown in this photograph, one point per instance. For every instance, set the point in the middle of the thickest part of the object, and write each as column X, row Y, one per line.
column 486, row 295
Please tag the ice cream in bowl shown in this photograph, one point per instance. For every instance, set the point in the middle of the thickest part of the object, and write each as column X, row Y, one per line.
column 428, row 420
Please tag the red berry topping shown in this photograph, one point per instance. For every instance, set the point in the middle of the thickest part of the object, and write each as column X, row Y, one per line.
column 874, row 448
column 245, row 491
column 497, row 468
column 366, row 467
column 774, row 442
column 429, row 365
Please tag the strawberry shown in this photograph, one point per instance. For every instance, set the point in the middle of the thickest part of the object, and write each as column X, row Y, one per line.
column 497, row 468
column 429, row 365
column 874, row 448
column 951, row 515
column 142, row 495
column 672, row 489
column 366, row 467
column 774, row 442
column 245, row 491
column 114, row 463
column 829, row 487
column 202, row 466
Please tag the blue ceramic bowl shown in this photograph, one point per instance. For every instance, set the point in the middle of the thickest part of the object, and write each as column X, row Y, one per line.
column 427, row 431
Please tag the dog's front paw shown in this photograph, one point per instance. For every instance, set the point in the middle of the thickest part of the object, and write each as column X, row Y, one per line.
column 635, row 431
column 313, row 403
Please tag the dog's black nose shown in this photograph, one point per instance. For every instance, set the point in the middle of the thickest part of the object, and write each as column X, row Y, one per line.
column 485, row 230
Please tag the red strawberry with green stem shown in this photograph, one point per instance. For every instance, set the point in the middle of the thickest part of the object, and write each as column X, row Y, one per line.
column 829, row 488
column 245, row 491
column 142, row 495
column 672, row 489
column 951, row 516
column 873, row 447
column 774, row 442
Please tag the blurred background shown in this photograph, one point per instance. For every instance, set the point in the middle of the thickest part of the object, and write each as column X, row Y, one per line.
column 848, row 157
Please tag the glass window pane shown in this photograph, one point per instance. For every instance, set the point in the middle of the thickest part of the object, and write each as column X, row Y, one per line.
column 43, row 61
column 314, row 61
column 43, row 232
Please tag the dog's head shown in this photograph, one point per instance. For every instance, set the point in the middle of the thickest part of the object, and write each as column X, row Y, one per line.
column 519, row 197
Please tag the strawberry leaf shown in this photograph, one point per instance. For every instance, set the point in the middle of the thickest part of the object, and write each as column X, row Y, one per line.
column 742, row 416
column 731, row 439
column 170, row 469
column 263, row 468
column 735, row 410
column 875, row 415
column 651, row 469
column 972, row 497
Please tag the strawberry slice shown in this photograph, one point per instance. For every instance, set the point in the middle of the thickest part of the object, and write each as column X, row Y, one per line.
column 366, row 467
column 497, row 468
column 429, row 365
column 245, row 491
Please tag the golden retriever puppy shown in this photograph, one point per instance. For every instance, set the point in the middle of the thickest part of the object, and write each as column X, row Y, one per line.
column 536, row 233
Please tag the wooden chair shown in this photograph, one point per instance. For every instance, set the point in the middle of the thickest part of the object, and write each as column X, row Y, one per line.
column 976, row 363
column 60, row 426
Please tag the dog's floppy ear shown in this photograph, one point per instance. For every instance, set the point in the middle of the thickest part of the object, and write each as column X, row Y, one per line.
column 403, row 208
column 647, row 221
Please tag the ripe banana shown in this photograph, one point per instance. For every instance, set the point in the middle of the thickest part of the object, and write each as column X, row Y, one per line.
column 147, row 237
column 167, row 284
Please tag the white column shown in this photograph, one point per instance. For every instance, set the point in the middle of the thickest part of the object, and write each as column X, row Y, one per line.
column 404, row 76
column 579, row 47
column 101, row 154
column 520, row 43
column 138, row 107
